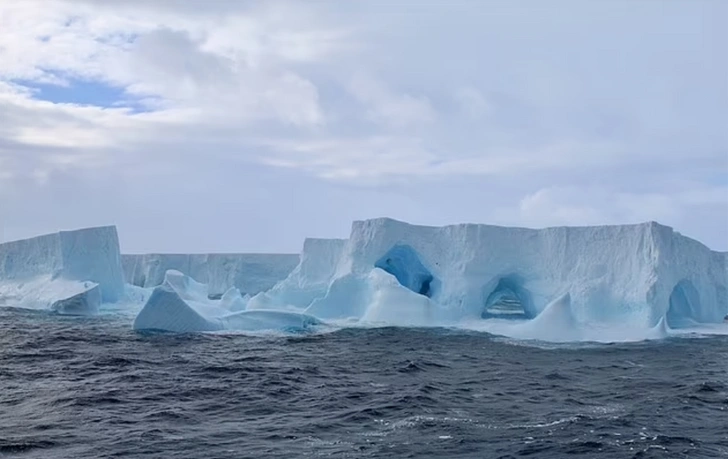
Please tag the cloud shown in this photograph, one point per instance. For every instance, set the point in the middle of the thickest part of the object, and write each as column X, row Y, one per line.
column 565, row 205
column 201, row 65
column 362, row 161
column 395, row 110
column 472, row 102
column 513, row 112
column 170, row 65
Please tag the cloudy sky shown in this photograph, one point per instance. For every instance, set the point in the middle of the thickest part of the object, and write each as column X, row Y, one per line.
column 225, row 125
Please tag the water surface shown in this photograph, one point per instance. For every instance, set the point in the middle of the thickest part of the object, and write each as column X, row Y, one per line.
column 90, row 388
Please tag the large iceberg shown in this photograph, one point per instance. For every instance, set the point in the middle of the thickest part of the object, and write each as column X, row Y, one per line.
column 250, row 273
column 553, row 283
column 182, row 305
column 642, row 275
column 71, row 272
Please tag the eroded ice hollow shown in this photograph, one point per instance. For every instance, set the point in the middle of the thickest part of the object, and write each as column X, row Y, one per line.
column 71, row 272
column 393, row 272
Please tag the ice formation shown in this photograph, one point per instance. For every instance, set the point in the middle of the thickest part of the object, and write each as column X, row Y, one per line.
column 250, row 273
column 643, row 275
column 71, row 272
column 181, row 305
column 308, row 281
column 567, row 283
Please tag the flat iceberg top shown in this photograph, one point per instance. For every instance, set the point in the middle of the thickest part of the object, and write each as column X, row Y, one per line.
column 385, row 221
column 615, row 229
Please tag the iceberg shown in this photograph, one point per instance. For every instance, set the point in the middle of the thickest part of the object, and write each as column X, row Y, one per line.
column 376, row 298
column 618, row 282
column 62, row 296
column 71, row 272
column 645, row 275
column 182, row 305
column 250, row 273
column 309, row 280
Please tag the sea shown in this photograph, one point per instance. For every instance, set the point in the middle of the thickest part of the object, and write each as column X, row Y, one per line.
column 94, row 388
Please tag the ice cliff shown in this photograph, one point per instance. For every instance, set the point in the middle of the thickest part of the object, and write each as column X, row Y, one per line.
column 70, row 272
column 623, row 274
column 309, row 280
column 250, row 273
column 557, row 283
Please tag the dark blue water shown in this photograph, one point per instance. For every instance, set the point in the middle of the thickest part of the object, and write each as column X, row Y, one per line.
column 92, row 388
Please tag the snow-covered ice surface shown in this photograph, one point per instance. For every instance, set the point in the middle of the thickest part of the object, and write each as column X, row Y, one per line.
column 250, row 273
column 71, row 272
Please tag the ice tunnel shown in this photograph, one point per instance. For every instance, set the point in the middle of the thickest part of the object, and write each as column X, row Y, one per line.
column 509, row 300
column 402, row 262
column 684, row 305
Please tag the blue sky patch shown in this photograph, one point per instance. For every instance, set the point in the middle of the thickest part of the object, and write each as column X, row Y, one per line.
column 84, row 92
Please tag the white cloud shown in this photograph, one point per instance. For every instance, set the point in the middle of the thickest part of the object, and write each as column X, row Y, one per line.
column 392, row 109
column 565, row 205
column 219, row 65
column 368, row 161
column 472, row 102
column 557, row 121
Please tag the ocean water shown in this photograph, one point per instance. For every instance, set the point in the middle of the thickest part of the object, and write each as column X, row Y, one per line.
column 93, row 388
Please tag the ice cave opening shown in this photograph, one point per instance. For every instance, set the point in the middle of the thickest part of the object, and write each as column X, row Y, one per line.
column 508, row 300
column 684, row 305
column 402, row 262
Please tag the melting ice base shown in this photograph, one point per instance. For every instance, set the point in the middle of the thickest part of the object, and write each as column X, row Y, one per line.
column 62, row 296
column 182, row 305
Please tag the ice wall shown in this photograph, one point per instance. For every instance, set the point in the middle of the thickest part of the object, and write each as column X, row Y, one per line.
column 309, row 280
column 250, row 273
column 71, row 272
column 90, row 254
column 611, row 273
column 622, row 274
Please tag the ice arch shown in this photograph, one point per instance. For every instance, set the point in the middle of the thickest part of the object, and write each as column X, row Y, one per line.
column 684, row 305
column 509, row 299
column 402, row 262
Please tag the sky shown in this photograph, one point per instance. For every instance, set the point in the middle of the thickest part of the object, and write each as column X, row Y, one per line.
column 244, row 126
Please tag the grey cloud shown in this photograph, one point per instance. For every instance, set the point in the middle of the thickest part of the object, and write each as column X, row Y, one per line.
column 570, row 112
